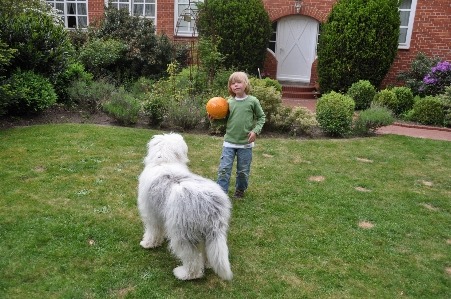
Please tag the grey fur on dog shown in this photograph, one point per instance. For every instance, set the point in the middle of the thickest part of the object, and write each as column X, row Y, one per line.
column 191, row 211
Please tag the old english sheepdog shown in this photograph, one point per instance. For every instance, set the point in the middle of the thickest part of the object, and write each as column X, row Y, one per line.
column 191, row 211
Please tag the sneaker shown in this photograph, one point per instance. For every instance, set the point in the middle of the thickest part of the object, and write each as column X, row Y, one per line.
column 238, row 194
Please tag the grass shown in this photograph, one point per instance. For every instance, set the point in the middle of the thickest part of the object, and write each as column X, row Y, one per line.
column 339, row 218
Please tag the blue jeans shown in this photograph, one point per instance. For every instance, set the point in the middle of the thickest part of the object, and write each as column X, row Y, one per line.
column 243, row 167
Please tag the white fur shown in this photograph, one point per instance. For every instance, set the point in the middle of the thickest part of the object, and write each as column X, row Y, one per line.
column 191, row 211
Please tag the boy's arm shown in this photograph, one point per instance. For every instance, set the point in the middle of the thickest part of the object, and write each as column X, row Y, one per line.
column 261, row 118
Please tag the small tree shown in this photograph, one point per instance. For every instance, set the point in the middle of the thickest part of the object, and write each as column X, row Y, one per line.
column 359, row 41
column 243, row 28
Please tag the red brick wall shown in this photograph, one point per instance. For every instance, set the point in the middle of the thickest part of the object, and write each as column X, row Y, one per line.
column 431, row 32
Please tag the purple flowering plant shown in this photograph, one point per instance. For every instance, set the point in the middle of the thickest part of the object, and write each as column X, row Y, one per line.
column 436, row 81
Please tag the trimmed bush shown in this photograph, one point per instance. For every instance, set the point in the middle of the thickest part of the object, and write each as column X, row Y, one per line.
column 334, row 113
column 429, row 111
column 404, row 98
column 123, row 107
column 362, row 92
column 445, row 99
column 270, row 99
column 33, row 93
column 371, row 119
column 302, row 121
column 387, row 98
column 359, row 41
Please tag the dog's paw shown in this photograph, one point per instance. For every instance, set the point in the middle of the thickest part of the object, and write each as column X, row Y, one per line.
column 182, row 274
column 149, row 244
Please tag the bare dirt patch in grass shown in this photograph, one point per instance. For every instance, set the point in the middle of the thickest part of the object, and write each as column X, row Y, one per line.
column 430, row 207
column 361, row 189
column 426, row 183
column 365, row 225
column 268, row 156
column 317, row 178
column 365, row 160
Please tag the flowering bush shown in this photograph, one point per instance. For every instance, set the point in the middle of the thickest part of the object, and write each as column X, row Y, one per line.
column 439, row 77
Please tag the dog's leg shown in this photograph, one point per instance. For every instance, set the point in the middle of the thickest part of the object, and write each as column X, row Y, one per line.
column 192, row 260
column 201, row 248
column 153, row 235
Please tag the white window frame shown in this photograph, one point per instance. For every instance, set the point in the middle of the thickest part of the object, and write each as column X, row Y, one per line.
column 185, row 28
column 65, row 15
column 409, row 27
column 129, row 4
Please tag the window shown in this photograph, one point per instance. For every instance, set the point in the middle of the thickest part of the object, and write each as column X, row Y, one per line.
column 141, row 8
column 272, row 40
column 407, row 15
column 73, row 12
column 185, row 17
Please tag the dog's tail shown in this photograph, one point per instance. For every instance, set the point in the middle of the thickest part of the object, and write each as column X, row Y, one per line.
column 218, row 256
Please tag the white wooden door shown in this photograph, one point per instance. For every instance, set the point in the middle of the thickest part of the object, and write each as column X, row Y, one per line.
column 296, row 41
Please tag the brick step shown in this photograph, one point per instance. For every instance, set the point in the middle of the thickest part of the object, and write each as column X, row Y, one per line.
column 300, row 92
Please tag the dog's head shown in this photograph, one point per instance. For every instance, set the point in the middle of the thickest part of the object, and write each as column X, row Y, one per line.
column 166, row 148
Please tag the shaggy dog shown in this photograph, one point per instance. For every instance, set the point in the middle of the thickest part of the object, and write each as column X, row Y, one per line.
column 191, row 211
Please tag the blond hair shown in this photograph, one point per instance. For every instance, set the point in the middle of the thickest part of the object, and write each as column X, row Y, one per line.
column 239, row 77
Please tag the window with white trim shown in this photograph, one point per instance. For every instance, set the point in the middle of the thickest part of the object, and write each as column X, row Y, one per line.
column 74, row 13
column 140, row 8
column 185, row 12
column 407, row 14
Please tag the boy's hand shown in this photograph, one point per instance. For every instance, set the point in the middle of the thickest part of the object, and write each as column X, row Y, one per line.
column 210, row 117
column 252, row 136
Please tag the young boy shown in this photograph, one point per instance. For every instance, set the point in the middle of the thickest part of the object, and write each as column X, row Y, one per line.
column 241, row 132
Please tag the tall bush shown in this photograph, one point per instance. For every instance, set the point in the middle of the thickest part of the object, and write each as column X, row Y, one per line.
column 359, row 41
column 445, row 100
column 334, row 112
column 42, row 46
column 243, row 28
column 147, row 53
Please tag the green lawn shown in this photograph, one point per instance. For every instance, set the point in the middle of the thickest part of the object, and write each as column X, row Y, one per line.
column 339, row 218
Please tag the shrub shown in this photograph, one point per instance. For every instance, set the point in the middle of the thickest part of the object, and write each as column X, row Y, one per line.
column 41, row 45
column 334, row 113
column 404, row 98
column 302, row 120
column 186, row 114
column 280, row 120
column 103, row 58
column 6, row 93
column 371, row 119
column 359, row 41
column 270, row 99
column 244, row 23
column 147, row 54
column 428, row 111
column 33, row 93
column 419, row 68
column 362, row 92
column 437, row 79
column 387, row 98
column 90, row 96
column 75, row 71
column 445, row 99
column 123, row 107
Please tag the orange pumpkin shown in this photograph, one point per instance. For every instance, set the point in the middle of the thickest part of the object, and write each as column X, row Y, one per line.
column 217, row 107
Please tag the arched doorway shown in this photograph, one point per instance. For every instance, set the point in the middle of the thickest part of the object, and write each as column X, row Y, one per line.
column 295, row 50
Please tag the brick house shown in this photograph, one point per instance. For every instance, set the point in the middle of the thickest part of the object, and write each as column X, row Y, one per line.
column 291, row 55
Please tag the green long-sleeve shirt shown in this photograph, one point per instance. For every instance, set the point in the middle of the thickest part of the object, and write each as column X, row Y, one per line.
column 240, row 119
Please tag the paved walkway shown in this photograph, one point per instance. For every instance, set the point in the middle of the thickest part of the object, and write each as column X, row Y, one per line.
column 397, row 128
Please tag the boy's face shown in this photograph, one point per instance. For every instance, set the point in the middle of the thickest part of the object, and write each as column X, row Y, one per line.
column 238, row 88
